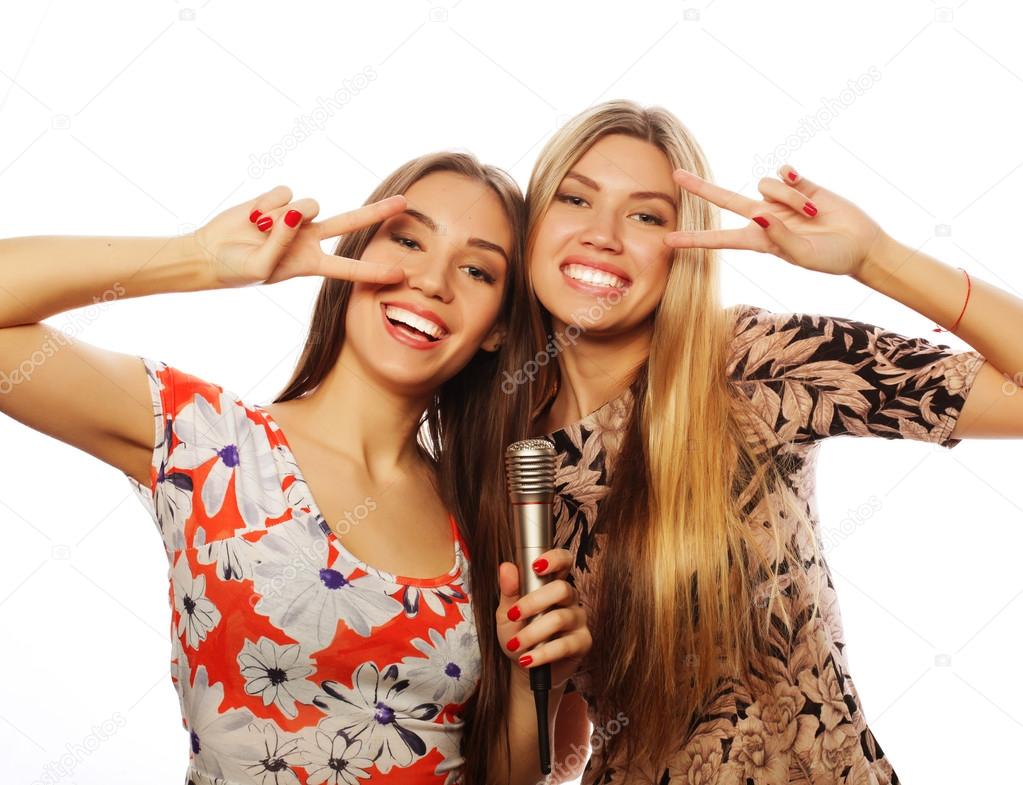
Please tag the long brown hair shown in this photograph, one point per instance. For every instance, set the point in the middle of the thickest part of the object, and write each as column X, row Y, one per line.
column 463, row 431
column 677, row 599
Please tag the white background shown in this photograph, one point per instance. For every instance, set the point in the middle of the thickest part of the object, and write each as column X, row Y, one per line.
column 145, row 119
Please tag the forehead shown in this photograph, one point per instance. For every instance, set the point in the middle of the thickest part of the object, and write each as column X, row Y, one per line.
column 620, row 162
column 461, row 206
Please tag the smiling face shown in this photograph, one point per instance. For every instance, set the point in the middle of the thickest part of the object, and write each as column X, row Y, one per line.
column 453, row 243
column 602, row 237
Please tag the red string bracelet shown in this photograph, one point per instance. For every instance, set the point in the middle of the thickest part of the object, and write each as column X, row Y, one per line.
column 969, row 286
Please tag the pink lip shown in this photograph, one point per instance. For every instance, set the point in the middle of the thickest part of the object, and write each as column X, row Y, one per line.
column 607, row 268
column 405, row 338
column 424, row 312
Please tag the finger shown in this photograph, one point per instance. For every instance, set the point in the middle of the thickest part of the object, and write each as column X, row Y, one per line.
column 556, row 562
column 282, row 233
column 741, row 239
column 573, row 646
column 555, row 593
column 787, row 195
column 366, row 215
column 549, row 625
column 507, row 584
column 790, row 176
column 792, row 245
column 346, row 269
column 729, row 200
column 307, row 209
column 271, row 200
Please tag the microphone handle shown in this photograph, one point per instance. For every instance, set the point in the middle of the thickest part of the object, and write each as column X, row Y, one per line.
column 540, row 676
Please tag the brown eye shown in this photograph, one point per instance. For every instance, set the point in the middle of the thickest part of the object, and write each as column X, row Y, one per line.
column 401, row 240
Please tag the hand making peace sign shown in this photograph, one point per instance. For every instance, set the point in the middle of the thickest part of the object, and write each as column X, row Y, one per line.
column 797, row 220
column 271, row 238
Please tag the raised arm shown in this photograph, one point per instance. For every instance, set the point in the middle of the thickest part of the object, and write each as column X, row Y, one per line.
column 98, row 400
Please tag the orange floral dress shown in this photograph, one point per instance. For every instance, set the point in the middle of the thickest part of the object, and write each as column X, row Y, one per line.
column 808, row 377
column 294, row 662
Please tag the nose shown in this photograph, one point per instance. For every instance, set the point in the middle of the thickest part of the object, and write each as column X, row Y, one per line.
column 601, row 232
column 429, row 274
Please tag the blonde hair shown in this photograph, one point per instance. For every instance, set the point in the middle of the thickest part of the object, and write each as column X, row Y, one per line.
column 676, row 598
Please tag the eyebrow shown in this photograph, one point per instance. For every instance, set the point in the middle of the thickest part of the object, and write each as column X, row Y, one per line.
column 634, row 195
column 475, row 242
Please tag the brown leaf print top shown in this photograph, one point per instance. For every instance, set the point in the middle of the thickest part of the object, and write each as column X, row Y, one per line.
column 808, row 377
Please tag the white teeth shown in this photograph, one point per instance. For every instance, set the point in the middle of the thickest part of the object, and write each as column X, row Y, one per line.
column 590, row 275
column 414, row 321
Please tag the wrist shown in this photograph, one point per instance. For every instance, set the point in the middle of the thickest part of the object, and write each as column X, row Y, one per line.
column 195, row 264
column 877, row 262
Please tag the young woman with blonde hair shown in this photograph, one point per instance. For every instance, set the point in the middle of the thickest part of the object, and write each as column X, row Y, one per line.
column 687, row 436
column 319, row 548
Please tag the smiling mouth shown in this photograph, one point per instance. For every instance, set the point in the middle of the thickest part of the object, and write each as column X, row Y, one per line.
column 414, row 325
column 591, row 276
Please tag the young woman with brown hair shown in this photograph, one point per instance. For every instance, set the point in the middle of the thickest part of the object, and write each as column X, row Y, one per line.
column 318, row 547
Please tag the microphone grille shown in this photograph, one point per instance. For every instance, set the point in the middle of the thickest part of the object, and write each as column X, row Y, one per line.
column 530, row 466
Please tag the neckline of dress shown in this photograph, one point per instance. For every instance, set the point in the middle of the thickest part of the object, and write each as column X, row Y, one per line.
column 314, row 508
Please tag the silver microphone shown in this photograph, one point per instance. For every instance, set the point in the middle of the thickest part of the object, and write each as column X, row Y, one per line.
column 529, row 466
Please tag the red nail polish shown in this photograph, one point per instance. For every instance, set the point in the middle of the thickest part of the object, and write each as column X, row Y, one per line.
column 525, row 660
column 539, row 565
column 514, row 613
column 793, row 175
column 254, row 215
column 264, row 223
column 292, row 218
column 761, row 220
column 809, row 209
column 513, row 644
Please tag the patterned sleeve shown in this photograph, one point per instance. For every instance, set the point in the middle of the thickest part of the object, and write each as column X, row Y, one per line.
column 811, row 376
column 168, row 495
column 161, row 395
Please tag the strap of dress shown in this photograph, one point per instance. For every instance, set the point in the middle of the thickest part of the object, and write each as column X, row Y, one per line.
column 457, row 535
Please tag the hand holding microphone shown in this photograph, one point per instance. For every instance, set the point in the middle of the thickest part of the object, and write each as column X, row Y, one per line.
column 540, row 623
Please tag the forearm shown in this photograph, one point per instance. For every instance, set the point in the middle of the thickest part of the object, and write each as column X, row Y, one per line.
column 993, row 321
column 46, row 275
column 523, row 748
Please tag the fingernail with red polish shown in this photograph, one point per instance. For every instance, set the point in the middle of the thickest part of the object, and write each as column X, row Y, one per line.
column 793, row 174
column 525, row 661
column 539, row 565
column 809, row 209
column 292, row 218
column 514, row 613
column 513, row 644
column 761, row 220
column 254, row 215
column 264, row 223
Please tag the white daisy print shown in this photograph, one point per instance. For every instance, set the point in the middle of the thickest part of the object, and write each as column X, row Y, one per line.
column 241, row 450
column 374, row 710
column 335, row 759
column 306, row 600
column 451, row 667
column 278, row 674
column 218, row 739
column 280, row 754
column 449, row 746
column 234, row 556
column 435, row 597
column 198, row 615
